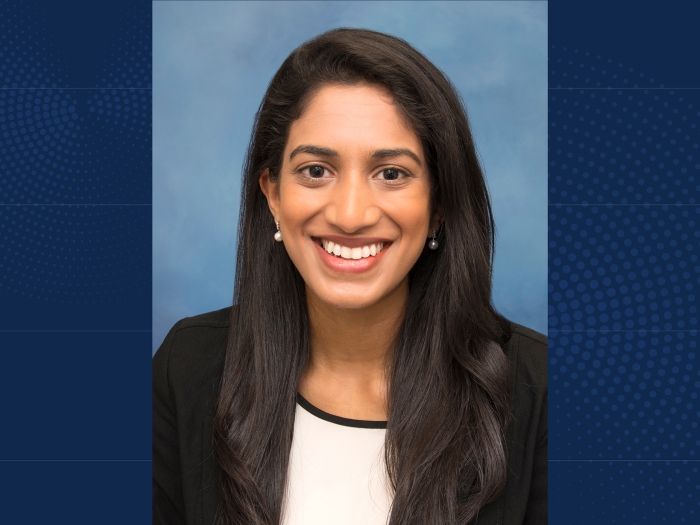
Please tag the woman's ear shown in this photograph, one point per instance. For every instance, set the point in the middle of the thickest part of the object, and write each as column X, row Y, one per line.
column 437, row 218
column 270, row 189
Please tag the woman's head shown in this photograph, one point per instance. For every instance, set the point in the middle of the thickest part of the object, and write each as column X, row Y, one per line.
column 352, row 197
column 370, row 80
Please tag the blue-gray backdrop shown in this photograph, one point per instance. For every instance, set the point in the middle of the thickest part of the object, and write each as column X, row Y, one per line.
column 211, row 64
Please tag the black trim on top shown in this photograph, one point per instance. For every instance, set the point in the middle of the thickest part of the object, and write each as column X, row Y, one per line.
column 357, row 423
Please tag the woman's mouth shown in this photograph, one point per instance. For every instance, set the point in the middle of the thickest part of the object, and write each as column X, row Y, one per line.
column 346, row 252
column 361, row 256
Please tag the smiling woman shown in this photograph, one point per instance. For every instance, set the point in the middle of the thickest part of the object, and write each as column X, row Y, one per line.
column 362, row 375
column 353, row 175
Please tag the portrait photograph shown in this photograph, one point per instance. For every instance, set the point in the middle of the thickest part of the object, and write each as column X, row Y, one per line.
column 318, row 262
column 350, row 262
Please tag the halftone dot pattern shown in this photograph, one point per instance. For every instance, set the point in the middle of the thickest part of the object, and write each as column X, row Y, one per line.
column 75, row 254
column 625, row 493
column 75, row 257
column 75, row 154
column 625, row 147
column 570, row 67
column 624, row 395
column 75, row 146
column 624, row 241
column 26, row 59
column 47, row 45
column 623, row 267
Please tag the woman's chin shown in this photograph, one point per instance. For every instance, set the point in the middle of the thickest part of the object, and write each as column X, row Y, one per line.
column 349, row 302
column 348, row 297
column 355, row 295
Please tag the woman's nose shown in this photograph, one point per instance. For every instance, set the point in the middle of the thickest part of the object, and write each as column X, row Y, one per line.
column 352, row 206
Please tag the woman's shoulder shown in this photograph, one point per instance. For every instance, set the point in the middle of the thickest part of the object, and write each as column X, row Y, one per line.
column 527, row 350
column 192, row 355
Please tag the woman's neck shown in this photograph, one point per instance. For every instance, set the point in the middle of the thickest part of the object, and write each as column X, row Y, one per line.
column 351, row 350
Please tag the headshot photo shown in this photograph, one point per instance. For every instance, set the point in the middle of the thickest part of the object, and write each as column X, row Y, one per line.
column 350, row 263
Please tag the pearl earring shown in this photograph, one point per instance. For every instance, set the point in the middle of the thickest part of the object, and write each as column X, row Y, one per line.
column 278, row 233
column 433, row 244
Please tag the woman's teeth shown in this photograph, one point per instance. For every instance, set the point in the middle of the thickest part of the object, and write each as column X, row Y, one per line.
column 352, row 253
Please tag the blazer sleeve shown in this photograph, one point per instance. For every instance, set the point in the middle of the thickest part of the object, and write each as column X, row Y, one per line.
column 536, row 512
column 168, row 502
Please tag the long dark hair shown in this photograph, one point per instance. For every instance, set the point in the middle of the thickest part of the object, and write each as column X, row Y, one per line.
column 449, row 380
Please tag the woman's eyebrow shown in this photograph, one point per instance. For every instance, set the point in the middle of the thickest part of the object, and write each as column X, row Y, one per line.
column 313, row 150
column 378, row 154
column 396, row 152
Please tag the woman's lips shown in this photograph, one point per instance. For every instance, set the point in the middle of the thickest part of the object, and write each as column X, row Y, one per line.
column 351, row 265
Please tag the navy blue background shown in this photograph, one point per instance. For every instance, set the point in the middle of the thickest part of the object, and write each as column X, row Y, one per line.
column 624, row 180
column 75, row 282
column 75, row 262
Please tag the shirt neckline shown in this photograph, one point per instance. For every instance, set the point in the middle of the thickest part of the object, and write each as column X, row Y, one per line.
column 344, row 421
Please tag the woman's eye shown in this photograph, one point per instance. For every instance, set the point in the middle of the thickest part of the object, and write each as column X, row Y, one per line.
column 391, row 174
column 316, row 172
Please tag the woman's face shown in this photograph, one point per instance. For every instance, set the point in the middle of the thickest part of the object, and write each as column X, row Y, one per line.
column 353, row 197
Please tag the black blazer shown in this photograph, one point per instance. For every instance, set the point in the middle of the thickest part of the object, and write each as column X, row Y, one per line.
column 186, row 373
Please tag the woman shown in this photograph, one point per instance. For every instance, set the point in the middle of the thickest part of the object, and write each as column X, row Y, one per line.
column 363, row 375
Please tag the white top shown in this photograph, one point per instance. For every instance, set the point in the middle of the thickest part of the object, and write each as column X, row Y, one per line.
column 336, row 471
